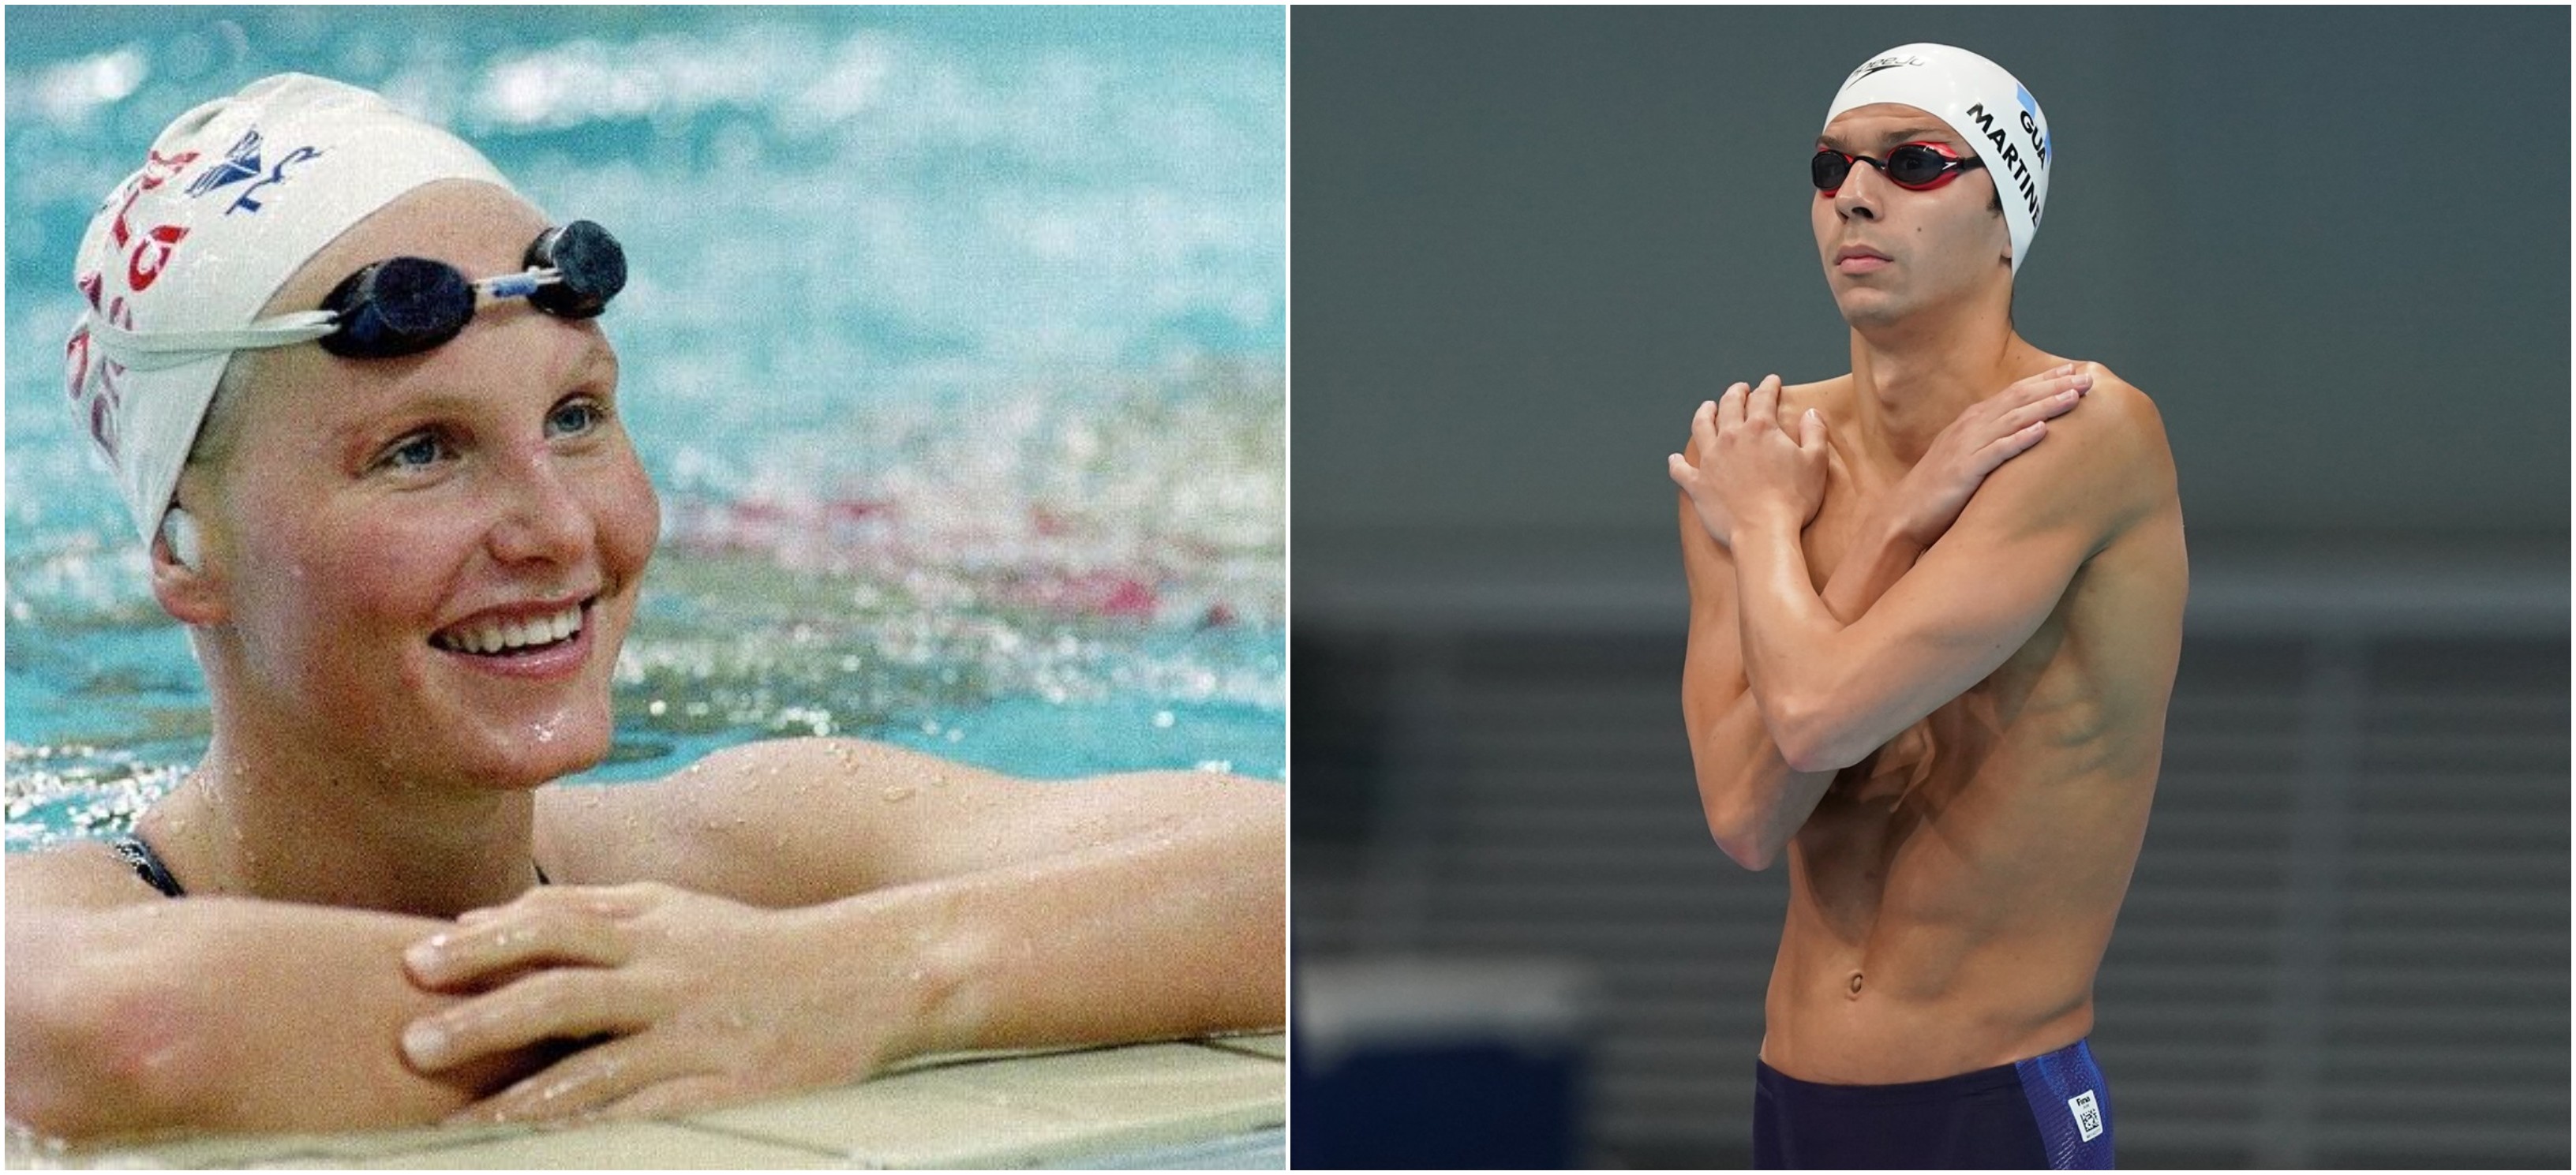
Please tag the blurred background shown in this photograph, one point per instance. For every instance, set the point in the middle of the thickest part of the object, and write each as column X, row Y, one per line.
column 2331, row 243
column 955, row 344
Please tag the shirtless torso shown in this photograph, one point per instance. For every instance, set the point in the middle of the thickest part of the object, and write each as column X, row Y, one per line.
column 1952, row 892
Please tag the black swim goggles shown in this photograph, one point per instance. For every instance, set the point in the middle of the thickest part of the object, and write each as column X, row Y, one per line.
column 1916, row 167
column 404, row 305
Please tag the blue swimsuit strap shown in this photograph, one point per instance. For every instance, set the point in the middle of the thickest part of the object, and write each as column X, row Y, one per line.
column 147, row 864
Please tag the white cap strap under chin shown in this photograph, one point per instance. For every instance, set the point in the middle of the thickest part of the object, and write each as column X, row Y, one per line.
column 1987, row 106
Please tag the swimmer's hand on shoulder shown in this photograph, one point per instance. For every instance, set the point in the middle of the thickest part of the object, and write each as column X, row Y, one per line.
column 1748, row 465
column 1990, row 432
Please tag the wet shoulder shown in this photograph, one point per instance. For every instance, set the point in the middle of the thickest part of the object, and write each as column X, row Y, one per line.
column 82, row 875
column 747, row 821
column 2110, row 452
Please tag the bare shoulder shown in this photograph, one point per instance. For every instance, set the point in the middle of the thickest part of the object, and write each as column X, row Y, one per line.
column 750, row 802
column 2131, row 411
column 82, row 875
column 1828, row 396
column 2108, row 458
column 788, row 822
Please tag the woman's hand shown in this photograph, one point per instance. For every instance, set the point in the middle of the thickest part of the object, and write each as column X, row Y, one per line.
column 1749, row 467
column 1990, row 432
column 676, row 1000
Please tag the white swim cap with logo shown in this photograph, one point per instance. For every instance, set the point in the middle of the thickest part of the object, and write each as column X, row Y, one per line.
column 1989, row 108
column 233, row 198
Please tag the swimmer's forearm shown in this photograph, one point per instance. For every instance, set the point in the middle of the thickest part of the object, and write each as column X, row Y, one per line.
column 1872, row 566
column 1753, row 799
column 1785, row 629
column 1166, row 934
column 217, row 1014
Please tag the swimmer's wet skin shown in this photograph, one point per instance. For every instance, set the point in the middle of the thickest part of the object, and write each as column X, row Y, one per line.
column 1955, row 742
column 407, row 566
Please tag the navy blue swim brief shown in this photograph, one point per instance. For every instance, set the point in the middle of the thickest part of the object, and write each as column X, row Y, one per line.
column 2051, row 1112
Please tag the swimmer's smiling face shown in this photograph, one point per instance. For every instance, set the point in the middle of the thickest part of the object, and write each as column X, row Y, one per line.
column 1889, row 252
column 373, row 527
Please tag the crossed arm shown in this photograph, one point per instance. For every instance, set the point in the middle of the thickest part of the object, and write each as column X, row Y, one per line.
column 952, row 908
column 1785, row 685
column 809, row 931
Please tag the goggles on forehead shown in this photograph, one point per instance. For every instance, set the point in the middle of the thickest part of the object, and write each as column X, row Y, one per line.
column 402, row 305
column 1916, row 167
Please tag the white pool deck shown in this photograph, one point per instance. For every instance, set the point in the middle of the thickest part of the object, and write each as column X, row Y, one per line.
column 1217, row 1102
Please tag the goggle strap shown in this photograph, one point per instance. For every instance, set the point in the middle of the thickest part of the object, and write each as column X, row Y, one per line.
column 153, row 350
column 517, row 285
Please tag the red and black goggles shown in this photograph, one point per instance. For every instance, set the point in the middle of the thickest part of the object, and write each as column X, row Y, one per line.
column 1916, row 167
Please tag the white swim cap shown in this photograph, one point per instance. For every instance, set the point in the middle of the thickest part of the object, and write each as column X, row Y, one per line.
column 1987, row 106
column 232, row 199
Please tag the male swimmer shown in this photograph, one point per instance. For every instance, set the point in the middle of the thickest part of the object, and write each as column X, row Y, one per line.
column 1955, row 737
column 357, row 398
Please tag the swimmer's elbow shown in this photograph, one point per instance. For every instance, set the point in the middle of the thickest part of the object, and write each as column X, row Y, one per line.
column 1811, row 734
column 1755, row 854
column 1747, row 837
column 93, row 1055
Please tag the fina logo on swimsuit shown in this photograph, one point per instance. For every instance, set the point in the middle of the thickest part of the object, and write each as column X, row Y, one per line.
column 2088, row 1115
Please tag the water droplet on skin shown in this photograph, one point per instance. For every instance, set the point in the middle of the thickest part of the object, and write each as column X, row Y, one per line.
column 897, row 793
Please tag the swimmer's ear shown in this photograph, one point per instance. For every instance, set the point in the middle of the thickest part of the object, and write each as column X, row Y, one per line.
column 179, row 577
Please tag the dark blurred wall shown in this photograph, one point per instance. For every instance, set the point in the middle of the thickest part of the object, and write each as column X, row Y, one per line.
column 2331, row 243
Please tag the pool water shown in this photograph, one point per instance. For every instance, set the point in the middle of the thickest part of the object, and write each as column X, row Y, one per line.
column 955, row 344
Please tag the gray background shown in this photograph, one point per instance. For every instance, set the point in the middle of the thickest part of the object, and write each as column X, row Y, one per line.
column 2332, row 244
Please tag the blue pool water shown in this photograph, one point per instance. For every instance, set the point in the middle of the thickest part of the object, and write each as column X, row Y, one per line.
column 955, row 344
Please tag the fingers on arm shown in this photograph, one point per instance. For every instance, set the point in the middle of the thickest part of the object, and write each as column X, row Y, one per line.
column 631, row 1074
column 565, row 1003
column 2004, row 448
column 2022, row 413
column 1764, row 402
column 565, row 926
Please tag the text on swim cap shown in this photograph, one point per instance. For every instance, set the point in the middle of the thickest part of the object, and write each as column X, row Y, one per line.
column 148, row 255
column 2010, row 156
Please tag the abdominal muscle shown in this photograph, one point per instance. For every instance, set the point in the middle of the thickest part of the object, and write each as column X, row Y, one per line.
column 1950, row 897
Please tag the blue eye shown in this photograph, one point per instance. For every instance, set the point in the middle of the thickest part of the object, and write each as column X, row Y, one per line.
column 418, row 451
column 575, row 417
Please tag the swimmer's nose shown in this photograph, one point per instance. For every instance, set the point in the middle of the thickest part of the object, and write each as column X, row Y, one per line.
column 541, row 519
column 1861, row 193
